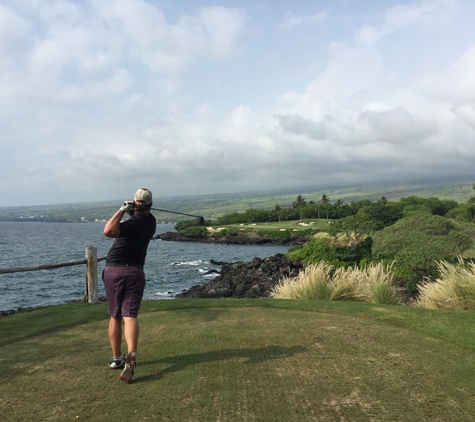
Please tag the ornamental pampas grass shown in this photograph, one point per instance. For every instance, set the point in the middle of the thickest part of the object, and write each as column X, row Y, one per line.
column 454, row 289
column 322, row 282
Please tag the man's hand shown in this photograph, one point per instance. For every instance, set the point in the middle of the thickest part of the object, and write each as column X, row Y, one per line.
column 128, row 206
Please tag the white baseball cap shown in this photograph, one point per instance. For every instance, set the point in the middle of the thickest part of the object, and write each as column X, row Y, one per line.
column 143, row 196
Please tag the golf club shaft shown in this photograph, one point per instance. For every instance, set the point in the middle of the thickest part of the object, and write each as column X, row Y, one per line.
column 175, row 212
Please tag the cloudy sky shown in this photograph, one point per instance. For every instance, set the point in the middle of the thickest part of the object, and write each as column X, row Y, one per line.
column 100, row 97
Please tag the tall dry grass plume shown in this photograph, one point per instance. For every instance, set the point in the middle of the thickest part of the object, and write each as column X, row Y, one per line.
column 340, row 239
column 323, row 237
column 321, row 281
column 311, row 283
column 454, row 289
column 380, row 284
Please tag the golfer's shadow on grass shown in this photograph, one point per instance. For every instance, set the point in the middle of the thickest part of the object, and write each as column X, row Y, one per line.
column 181, row 362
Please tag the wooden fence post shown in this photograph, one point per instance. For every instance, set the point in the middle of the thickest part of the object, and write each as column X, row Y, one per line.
column 91, row 275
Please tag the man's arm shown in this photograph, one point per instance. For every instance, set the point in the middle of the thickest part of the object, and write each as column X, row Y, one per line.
column 111, row 228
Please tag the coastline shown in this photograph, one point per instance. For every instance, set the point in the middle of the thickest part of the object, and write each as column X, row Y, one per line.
column 236, row 238
column 173, row 267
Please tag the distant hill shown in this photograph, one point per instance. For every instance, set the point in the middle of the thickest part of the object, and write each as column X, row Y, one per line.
column 215, row 205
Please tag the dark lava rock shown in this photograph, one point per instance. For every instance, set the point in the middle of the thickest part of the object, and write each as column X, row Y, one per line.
column 211, row 272
column 236, row 238
column 221, row 263
column 246, row 279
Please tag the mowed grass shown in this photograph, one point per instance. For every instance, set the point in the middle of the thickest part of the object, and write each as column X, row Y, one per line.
column 242, row 360
column 293, row 225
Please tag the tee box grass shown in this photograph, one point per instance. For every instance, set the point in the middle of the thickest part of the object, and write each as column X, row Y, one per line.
column 242, row 360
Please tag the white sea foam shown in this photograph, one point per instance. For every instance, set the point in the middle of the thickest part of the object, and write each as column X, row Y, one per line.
column 165, row 295
column 192, row 263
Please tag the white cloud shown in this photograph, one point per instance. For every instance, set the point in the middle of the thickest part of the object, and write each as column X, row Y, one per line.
column 223, row 26
column 394, row 126
column 455, row 84
column 53, row 10
column 292, row 20
column 349, row 71
column 467, row 113
column 13, row 29
column 80, row 54
column 13, row 33
column 106, row 95
column 167, row 47
column 401, row 16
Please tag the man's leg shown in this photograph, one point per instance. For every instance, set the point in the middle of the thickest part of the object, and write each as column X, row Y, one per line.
column 113, row 284
column 115, row 335
column 131, row 333
column 130, row 307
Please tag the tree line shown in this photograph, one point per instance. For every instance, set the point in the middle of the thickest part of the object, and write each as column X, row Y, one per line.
column 382, row 211
column 412, row 235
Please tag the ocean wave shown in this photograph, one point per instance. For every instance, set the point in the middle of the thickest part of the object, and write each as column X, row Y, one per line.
column 191, row 263
column 165, row 295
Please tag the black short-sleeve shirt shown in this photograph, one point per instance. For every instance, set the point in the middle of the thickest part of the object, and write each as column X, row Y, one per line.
column 131, row 245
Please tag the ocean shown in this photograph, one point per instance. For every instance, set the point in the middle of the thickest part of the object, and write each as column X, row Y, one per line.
column 170, row 267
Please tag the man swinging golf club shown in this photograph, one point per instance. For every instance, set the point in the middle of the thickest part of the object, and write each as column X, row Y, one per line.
column 124, row 278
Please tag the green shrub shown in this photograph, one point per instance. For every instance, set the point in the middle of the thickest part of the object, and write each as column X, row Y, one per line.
column 400, row 269
column 337, row 255
column 294, row 248
column 182, row 225
column 313, row 252
column 222, row 232
column 412, row 285
column 309, row 232
column 421, row 241
column 196, row 231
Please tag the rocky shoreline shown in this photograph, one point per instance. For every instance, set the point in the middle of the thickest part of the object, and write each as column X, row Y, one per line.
column 236, row 238
column 240, row 280
column 252, row 279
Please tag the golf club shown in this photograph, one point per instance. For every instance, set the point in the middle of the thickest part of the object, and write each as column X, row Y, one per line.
column 199, row 217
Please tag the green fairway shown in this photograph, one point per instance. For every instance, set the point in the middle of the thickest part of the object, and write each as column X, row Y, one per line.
column 294, row 225
column 242, row 360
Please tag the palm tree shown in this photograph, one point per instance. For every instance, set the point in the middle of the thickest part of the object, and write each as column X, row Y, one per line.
column 277, row 209
column 471, row 208
column 299, row 203
column 338, row 204
column 325, row 201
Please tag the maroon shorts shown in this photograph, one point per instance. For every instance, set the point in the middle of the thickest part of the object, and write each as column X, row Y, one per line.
column 124, row 290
